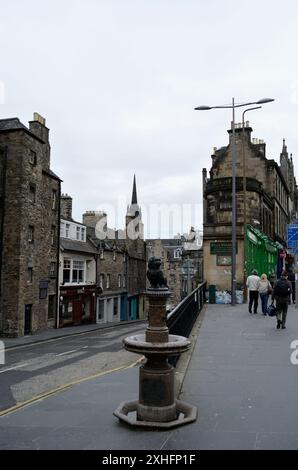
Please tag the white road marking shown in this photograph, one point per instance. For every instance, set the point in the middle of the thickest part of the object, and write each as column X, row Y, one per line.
column 15, row 367
column 66, row 352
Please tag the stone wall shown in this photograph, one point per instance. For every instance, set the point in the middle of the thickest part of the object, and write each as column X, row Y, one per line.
column 19, row 254
column 112, row 263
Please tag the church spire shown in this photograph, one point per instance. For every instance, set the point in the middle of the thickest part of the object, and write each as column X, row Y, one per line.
column 284, row 147
column 134, row 199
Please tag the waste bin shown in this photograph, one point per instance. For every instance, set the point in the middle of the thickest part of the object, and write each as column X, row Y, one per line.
column 212, row 289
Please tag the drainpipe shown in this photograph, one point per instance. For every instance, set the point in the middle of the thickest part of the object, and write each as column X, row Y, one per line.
column 3, row 213
column 58, row 260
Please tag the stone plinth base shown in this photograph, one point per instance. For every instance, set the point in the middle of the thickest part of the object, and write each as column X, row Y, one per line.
column 160, row 414
column 185, row 413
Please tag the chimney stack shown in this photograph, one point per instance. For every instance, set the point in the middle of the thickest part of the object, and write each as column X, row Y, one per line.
column 90, row 218
column 66, row 206
column 38, row 127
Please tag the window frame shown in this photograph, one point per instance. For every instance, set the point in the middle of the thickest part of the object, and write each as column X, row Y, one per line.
column 31, row 234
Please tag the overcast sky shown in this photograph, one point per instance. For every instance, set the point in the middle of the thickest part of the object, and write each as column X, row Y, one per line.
column 117, row 81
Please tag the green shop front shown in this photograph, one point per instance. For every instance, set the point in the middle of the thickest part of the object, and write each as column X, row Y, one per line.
column 261, row 252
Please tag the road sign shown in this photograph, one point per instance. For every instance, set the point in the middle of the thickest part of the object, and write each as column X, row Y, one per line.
column 293, row 238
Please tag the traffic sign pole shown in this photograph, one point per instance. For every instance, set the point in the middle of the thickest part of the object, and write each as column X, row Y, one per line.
column 296, row 281
column 293, row 247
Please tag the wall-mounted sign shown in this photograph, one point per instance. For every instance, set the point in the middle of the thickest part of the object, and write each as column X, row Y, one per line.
column 224, row 260
column 221, row 248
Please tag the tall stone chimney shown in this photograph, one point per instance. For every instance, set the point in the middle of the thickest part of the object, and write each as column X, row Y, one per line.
column 240, row 131
column 38, row 127
column 66, row 206
column 90, row 218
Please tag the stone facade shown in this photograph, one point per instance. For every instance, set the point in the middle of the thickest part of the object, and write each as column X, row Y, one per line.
column 268, row 202
column 29, row 213
column 182, row 264
column 170, row 253
column 121, row 264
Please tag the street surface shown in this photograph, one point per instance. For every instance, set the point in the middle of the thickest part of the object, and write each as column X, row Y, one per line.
column 36, row 369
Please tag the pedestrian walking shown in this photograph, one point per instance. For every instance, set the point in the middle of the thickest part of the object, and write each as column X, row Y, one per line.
column 272, row 278
column 265, row 290
column 281, row 294
column 252, row 284
column 291, row 278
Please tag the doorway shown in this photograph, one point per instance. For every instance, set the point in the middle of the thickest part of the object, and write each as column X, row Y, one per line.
column 28, row 319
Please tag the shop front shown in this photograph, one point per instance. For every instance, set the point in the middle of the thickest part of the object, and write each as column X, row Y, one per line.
column 262, row 253
column 77, row 305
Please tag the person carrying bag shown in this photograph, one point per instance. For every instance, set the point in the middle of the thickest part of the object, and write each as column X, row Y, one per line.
column 264, row 291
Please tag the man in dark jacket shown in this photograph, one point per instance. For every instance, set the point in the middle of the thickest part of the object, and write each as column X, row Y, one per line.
column 281, row 293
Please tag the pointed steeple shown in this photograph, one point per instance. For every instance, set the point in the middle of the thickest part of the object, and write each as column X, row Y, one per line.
column 134, row 224
column 284, row 147
column 134, row 199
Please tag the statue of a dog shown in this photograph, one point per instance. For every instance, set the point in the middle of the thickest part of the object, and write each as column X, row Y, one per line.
column 155, row 274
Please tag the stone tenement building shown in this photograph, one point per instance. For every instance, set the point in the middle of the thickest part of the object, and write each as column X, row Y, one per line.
column 182, row 263
column 121, row 264
column 77, row 270
column 29, row 229
column 270, row 203
column 170, row 253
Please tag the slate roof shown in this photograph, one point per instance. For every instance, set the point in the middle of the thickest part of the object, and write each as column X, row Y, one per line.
column 11, row 124
column 52, row 174
column 74, row 245
column 14, row 124
column 167, row 242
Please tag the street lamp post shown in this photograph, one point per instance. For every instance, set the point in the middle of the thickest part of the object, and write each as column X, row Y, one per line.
column 244, row 204
column 234, row 163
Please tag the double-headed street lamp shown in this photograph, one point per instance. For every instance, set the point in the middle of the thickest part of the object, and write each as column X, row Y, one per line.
column 244, row 202
column 234, row 162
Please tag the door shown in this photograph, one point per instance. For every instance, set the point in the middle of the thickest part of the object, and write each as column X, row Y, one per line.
column 27, row 322
column 110, row 310
column 133, row 309
column 100, row 311
column 77, row 312
column 123, row 314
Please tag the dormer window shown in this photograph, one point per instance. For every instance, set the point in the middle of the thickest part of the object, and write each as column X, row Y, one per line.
column 177, row 254
column 78, row 233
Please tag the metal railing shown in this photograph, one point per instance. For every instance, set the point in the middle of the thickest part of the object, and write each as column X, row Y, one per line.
column 181, row 320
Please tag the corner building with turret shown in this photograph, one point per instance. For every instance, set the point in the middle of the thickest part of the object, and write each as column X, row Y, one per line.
column 266, row 200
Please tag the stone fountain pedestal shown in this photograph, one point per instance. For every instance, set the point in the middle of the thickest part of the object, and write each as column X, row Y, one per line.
column 156, row 406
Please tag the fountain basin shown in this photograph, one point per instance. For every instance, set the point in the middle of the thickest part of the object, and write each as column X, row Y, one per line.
column 138, row 344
